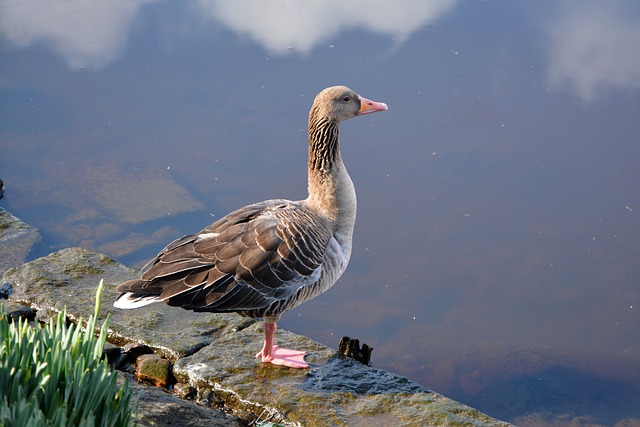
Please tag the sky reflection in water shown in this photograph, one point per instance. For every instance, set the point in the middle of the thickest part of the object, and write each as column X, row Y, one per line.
column 496, row 250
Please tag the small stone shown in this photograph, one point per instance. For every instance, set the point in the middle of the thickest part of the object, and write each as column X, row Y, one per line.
column 208, row 397
column 153, row 368
column 185, row 391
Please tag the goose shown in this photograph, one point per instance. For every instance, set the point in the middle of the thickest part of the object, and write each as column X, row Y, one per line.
column 266, row 258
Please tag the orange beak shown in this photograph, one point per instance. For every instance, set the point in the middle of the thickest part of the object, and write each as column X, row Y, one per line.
column 367, row 106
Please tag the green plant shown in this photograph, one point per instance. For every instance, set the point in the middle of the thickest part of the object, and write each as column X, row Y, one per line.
column 54, row 375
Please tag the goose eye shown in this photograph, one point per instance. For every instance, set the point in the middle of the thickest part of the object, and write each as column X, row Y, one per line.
column 346, row 99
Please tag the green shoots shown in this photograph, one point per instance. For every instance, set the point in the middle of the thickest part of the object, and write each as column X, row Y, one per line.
column 54, row 375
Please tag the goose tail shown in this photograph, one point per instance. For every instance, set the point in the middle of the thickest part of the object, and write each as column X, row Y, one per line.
column 133, row 299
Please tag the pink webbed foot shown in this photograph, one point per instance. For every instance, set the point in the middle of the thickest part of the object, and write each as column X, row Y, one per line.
column 280, row 356
column 285, row 357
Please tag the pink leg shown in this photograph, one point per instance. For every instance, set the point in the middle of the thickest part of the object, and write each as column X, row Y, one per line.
column 279, row 356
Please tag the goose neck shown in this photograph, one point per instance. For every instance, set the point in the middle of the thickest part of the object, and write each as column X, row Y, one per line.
column 331, row 190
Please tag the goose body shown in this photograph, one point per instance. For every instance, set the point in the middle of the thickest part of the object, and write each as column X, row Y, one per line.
column 266, row 258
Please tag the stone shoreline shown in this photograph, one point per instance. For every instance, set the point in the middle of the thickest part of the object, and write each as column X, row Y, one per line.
column 212, row 354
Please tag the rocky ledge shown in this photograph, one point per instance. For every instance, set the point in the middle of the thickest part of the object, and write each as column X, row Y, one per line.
column 210, row 357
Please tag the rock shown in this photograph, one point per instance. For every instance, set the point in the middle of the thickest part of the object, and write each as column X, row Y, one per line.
column 185, row 391
column 154, row 369
column 351, row 348
column 214, row 354
column 208, row 397
column 335, row 391
column 16, row 240
column 113, row 188
column 67, row 278
column 104, row 201
column 156, row 407
column 15, row 311
column 155, row 192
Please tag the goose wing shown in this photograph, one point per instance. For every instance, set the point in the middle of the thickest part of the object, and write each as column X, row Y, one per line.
column 253, row 259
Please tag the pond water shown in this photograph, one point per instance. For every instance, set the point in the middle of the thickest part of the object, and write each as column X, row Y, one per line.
column 496, row 254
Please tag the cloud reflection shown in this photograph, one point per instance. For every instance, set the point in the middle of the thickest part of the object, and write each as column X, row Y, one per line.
column 93, row 33
column 284, row 26
column 87, row 34
column 594, row 44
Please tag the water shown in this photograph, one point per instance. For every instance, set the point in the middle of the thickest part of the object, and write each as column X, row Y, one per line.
column 496, row 249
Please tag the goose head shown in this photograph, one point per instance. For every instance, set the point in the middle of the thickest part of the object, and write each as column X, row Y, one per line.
column 338, row 103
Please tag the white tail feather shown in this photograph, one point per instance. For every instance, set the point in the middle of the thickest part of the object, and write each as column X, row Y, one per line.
column 127, row 301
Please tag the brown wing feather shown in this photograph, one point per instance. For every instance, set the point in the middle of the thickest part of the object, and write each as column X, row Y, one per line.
column 252, row 261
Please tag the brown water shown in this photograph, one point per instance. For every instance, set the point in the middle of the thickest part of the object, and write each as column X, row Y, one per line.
column 497, row 254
